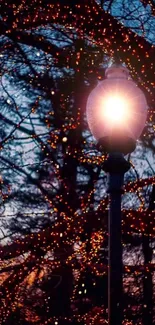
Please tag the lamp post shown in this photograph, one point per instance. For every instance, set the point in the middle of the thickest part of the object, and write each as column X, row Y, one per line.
column 116, row 114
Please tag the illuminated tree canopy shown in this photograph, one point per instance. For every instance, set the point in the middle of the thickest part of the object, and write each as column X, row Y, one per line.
column 54, row 204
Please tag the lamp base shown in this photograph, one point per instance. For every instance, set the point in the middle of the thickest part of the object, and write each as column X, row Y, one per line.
column 121, row 144
column 116, row 164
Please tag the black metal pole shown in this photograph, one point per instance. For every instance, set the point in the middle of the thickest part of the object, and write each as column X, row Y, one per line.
column 115, row 251
column 116, row 166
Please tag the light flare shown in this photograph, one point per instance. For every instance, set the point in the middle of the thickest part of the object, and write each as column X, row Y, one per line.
column 115, row 109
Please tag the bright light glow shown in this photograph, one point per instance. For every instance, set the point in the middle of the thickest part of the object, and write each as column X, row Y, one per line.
column 64, row 139
column 115, row 109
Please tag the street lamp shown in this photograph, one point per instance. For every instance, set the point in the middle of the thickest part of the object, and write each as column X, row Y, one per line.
column 116, row 114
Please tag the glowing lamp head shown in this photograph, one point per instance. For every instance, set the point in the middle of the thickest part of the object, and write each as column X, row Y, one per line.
column 117, row 108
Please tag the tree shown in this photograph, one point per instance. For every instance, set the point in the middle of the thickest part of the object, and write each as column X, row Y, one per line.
column 55, row 268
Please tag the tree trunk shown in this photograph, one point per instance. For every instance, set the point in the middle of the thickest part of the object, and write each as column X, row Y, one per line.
column 147, row 278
